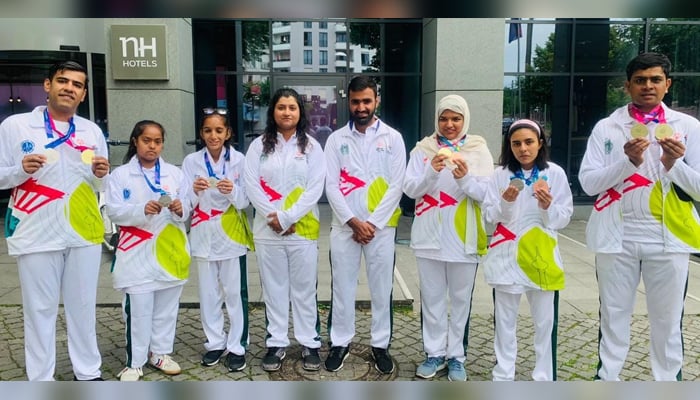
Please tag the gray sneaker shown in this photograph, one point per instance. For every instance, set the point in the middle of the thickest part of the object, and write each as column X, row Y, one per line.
column 273, row 359
column 430, row 367
column 455, row 370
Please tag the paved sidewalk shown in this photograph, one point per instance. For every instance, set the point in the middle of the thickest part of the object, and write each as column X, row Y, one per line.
column 577, row 339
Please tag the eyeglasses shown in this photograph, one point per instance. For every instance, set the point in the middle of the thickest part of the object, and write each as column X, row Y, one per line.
column 211, row 110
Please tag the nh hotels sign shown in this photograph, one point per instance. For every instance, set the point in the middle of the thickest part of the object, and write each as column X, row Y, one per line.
column 139, row 52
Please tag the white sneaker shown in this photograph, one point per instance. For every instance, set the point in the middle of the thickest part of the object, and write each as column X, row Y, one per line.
column 129, row 374
column 164, row 363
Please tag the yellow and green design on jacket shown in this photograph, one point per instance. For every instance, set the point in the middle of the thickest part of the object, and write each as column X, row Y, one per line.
column 171, row 251
column 375, row 194
column 460, row 223
column 308, row 226
column 235, row 225
column 536, row 257
column 675, row 214
column 83, row 214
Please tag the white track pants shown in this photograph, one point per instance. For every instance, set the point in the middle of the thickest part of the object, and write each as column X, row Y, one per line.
column 665, row 278
column 345, row 268
column 150, row 323
column 44, row 278
column 290, row 272
column 440, row 281
column 544, row 310
column 224, row 281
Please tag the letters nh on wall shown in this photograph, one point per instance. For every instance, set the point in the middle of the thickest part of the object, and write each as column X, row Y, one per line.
column 139, row 52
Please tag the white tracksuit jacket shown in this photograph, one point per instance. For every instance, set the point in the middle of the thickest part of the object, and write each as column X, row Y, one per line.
column 644, row 195
column 153, row 250
column 56, row 207
column 524, row 249
column 219, row 228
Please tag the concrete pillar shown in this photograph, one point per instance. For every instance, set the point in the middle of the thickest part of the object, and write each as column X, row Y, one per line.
column 170, row 102
column 464, row 56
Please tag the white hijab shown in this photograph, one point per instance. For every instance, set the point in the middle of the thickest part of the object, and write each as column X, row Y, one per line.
column 454, row 103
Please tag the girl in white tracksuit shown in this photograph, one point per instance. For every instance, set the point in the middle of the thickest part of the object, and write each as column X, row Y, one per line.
column 152, row 258
column 447, row 235
column 528, row 200
column 284, row 176
column 220, row 238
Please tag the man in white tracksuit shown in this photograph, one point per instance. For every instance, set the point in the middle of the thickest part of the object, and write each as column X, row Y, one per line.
column 366, row 162
column 643, row 163
column 54, row 161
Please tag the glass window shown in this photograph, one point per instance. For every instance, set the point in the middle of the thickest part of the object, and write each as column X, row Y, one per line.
column 255, row 97
column 364, row 39
column 684, row 95
column 307, row 24
column 323, row 25
column 323, row 57
column 307, row 39
column 214, row 45
column 323, row 39
column 606, row 47
column 256, row 46
column 542, row 47
column 216, row 90
column 308, row 57
column 341, row 37
column 679, row 43
column 403, row 42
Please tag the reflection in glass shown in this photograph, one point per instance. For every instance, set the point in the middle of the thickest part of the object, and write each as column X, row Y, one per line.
column 603, row 47
column 684, row 95
column 321, row 48
column 679, row 43
column 215, row 45
column 364, row 52
column 256, row 98
column 256, row 48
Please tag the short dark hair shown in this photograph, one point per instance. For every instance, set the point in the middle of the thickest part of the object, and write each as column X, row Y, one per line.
column 362, row 82
column 66, row 66
column 649, row 60
column 508, row 160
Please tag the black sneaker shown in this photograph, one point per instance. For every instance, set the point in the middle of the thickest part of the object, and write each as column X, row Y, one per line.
column 234, row 362
column 382, row 360
column 336, row 357
column 212, row 357
column 273, row 359
column 99, row 378
column 311, row 359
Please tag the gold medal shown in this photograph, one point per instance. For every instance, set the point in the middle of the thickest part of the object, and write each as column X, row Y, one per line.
column 52, row 155
column 444, row 151
column 639, row 131
column 87, row 156
column 663, row 131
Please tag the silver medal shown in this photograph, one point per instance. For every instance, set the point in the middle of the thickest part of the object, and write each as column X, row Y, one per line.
column 165, row 200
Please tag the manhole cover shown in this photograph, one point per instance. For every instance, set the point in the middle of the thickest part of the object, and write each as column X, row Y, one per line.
column 359, row 366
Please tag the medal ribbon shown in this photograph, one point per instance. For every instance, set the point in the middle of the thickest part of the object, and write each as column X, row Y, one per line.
column 657, row 114
column 50, row 128
column 533, row 176
column 210, row 169
column 455, row 146
column 155, row 188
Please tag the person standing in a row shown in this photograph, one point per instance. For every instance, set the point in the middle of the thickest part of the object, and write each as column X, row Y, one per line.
column 284, row 174
column 366, row 164
column 54, row 162
column 643, row 164
column 528, row 200
column 220, row 239
column 152, row 259
column 447, row 174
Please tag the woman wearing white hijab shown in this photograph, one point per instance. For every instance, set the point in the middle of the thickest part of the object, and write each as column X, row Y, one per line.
column 447, row 174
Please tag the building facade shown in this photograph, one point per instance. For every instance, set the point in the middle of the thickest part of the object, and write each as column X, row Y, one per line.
column 566, row 73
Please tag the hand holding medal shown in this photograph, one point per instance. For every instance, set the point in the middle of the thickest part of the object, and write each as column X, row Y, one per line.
column 540, row 189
